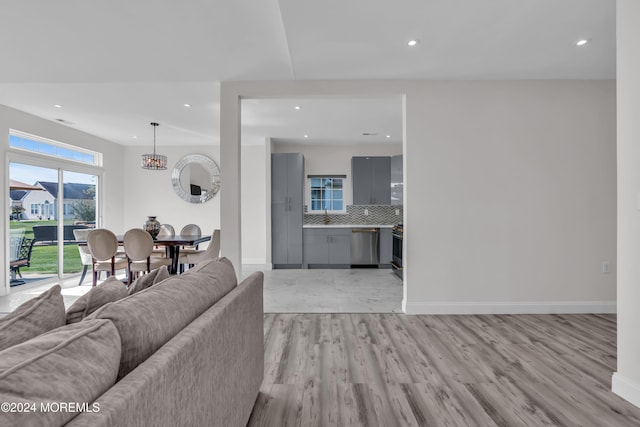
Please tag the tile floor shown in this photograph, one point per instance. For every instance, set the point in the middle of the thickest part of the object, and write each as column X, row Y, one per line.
column 364, row 290
column 285, row 291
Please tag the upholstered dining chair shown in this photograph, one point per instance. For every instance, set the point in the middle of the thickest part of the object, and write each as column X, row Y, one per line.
column 103, row 246
column 85, row 255
column 138, row 245
column 212, row 251
column 166, row 230
column 190, row 230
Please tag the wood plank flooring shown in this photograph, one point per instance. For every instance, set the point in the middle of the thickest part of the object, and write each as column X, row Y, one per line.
column 400, row 370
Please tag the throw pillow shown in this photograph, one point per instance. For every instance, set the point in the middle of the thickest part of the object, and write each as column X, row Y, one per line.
column 110, row 290
column 149, row 279
column 33, row 318
column 72, row 365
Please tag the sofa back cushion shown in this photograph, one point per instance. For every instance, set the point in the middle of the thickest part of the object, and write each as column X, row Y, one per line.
column 32, row 318
column 75, row 363
column 108, row 291
column 148, row 319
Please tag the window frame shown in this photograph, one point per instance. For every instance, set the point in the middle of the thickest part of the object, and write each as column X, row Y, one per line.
column 310, row 188
column 57, row 148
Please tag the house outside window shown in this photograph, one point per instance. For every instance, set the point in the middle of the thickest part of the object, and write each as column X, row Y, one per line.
column 327, row 193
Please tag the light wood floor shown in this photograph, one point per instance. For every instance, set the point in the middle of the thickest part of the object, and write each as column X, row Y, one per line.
column 396, row 370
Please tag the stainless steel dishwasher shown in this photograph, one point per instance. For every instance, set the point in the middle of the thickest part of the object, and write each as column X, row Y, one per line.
column 364, row 246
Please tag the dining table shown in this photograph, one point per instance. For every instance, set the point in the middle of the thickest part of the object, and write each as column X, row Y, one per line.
column 172, row 243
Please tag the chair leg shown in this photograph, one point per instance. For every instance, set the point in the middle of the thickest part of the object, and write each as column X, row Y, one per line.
column 84, row 273
column 95, row 277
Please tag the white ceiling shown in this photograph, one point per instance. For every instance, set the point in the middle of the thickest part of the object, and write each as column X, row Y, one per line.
column 116, row 66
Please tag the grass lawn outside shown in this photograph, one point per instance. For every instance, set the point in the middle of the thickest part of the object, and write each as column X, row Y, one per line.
column 44, row 259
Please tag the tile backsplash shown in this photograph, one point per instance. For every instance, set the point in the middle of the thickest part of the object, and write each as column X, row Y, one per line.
column 378, row 215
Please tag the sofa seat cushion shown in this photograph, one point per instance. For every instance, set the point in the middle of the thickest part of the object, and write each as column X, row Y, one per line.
column 32, row 318
column 110, row 290
column 149, row 279
column 148, row 319
column 75, row 363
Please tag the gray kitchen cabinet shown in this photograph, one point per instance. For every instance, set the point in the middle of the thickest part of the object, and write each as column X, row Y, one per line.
column 340, row 247
column 327, row 246
column 371, row 180
column 397, row 180
column 315, row 246
column 287, row 200
column 386, row 247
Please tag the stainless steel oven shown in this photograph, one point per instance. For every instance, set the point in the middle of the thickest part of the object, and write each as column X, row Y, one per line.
column 397, row 232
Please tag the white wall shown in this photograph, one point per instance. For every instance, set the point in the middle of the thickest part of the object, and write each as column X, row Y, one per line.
column 254, row 204
column 626, row 381
column 112, row 184
column 509, row 189
column 334, row 159
column 150, row 192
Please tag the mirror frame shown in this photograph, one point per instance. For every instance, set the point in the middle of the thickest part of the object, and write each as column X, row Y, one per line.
column 209, row 165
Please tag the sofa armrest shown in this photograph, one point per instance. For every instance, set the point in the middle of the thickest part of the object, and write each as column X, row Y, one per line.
column 208, row 374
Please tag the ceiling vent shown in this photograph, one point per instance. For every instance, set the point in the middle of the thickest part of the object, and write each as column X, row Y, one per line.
column 65, row 122
column 369, row 134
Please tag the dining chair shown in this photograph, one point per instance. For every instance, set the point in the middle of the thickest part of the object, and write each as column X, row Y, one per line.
column 138, row 245
column 212, row 251
column 166, row 230
column 103, row 246
column 81, row 234
column 190, row 230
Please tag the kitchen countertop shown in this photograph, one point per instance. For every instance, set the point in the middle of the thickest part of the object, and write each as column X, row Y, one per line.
column 347, row 225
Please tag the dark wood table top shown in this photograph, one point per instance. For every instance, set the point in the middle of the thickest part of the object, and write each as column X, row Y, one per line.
column 176, row 240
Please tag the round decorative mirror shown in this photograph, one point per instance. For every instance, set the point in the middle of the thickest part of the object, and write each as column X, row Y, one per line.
column 196, row 178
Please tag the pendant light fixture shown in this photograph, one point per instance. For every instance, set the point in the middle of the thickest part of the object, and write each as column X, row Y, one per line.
column 154, row 161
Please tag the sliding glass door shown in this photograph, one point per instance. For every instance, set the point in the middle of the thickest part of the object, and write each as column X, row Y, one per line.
column 46, row 205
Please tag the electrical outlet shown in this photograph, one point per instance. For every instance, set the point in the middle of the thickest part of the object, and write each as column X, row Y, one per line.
column 397, row 212
column 366, row 212
column 606, row 268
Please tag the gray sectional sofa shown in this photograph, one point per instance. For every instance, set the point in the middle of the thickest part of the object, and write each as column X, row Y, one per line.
column 187, row 351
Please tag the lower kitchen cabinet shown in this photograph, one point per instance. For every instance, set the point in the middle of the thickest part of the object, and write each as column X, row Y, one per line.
column 386, row 247
column 327, row 247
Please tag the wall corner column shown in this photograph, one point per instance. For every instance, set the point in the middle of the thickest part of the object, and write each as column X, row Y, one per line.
column 230, row 193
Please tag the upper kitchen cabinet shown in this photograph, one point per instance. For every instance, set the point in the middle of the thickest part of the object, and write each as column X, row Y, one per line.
column 397, row 180
column 371, row 179
column 287, row 205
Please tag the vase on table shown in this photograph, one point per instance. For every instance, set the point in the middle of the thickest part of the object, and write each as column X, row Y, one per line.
column 152, row 226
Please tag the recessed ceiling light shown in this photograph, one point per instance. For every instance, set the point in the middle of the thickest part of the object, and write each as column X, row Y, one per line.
column 306, row 136
column 413, row 42
column 135, row 137
column 582, row 42
column 57, row 105
column 297, row 107
column 388, row 136
column 187, row 105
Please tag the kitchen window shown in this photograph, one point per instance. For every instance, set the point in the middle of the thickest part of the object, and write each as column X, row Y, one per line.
column 327, row 193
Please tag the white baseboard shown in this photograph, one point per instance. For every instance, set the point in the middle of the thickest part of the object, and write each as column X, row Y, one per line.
column 254, row 261
column 532, row 307
column 626, row 389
